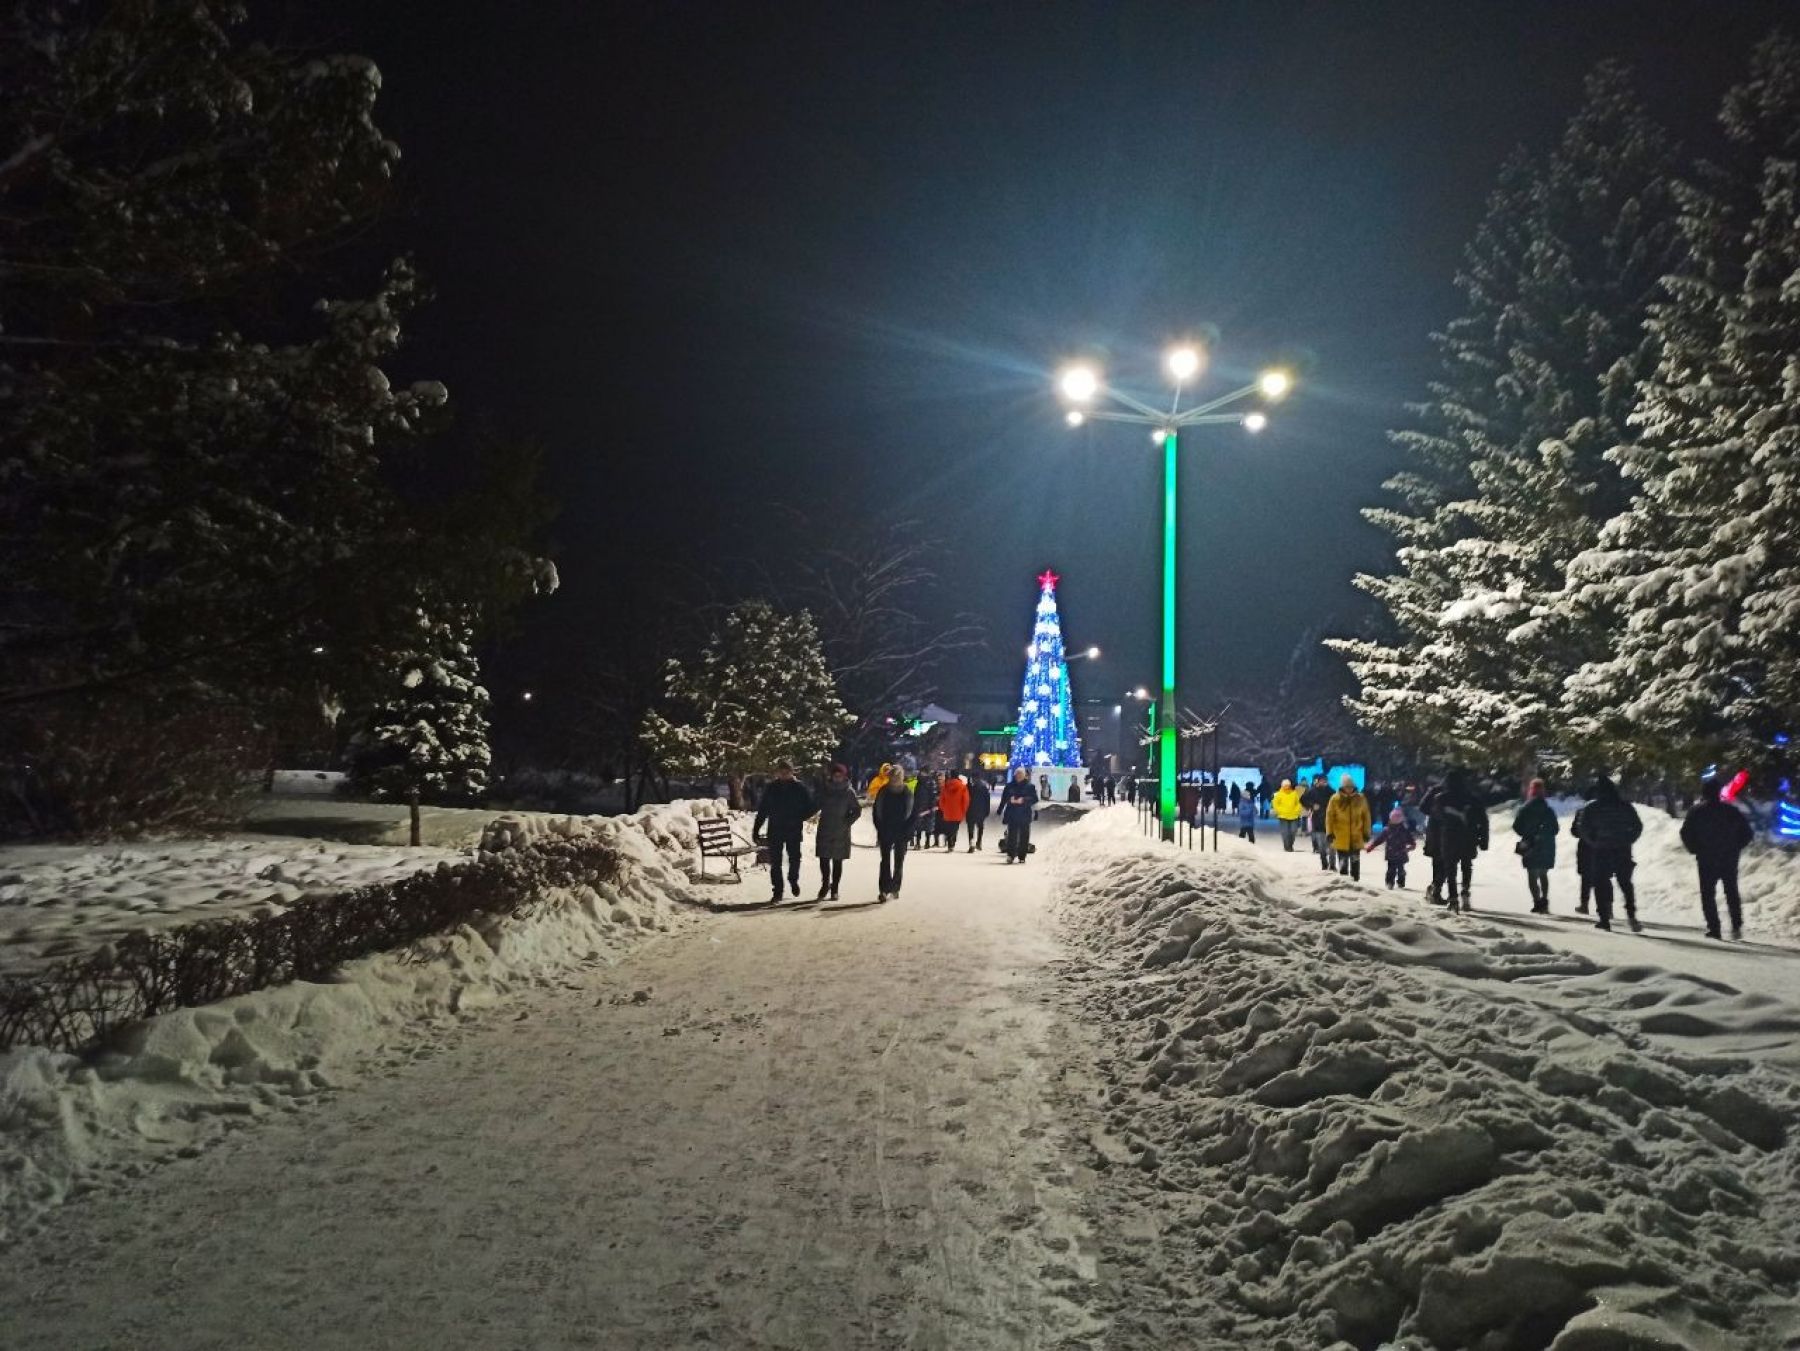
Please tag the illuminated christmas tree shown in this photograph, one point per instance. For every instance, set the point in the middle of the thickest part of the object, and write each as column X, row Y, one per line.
column 1048, row 736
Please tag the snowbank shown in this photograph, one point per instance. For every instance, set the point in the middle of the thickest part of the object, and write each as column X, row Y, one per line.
column 1353, row 1124
column 176, row 1082
column 59, row 900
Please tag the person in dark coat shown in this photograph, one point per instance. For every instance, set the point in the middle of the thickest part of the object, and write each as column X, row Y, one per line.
column 1456, row 829
column 781, row 815
column 893, row 814
column 1317, row 801
column 1536, row 827
column 981, row 803
column 839, row 806
column 1018, row 803
column 1609, row 825
column 1715, row 833
column 925, row 801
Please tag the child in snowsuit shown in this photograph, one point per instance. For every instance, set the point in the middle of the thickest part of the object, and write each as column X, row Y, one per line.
column 1397, row 842
column 1247, row 817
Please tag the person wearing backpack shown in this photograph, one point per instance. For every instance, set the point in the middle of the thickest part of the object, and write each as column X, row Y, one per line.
column 1715, row 833
column 1536, row 827
column 1609, row 825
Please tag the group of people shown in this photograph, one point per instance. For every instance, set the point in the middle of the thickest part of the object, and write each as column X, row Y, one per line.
column 1450, row 822
column 908, row 812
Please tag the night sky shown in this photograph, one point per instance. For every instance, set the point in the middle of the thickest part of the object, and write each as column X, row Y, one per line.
column 719, row 255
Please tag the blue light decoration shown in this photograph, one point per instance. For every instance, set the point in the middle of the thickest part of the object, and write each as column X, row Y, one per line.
column 1786, row 825
column 1048, row 735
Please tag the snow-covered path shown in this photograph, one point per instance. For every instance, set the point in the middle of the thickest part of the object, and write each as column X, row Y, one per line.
column 848, row 1127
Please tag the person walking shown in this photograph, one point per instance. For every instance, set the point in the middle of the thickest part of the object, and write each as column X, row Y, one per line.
column 1456, row 829
column 981, row 803
column 1288, row 811
column 1396, row 841
column 1347, row 822
column 953, row 806
column 1236, row 797
column 893, row 813
column 1018, row 802
column 1247, row 818
column 1262, row 800
column 1584, row 860
column 925, row 802
column 781, row 815
column 1715, row 833
column 839, row 808
column 1317, row 801
column 1610, row 825
column 1536, row 827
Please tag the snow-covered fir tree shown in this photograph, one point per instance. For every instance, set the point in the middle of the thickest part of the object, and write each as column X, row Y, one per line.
column 1512, row 481
column 1702, row 573
column 759, row 692
column 429, row 734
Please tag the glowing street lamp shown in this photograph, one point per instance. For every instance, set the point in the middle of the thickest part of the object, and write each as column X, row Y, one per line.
column 1081, row 384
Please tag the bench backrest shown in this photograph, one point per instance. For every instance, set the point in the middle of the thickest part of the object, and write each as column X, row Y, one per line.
column 714, row 832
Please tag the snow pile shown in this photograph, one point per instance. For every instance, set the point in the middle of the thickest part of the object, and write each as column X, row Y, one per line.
column 60, row 900
column 175, row 1082
column 1355, row 1125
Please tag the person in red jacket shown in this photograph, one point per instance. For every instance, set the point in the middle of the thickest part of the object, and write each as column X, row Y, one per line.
column 953, row 806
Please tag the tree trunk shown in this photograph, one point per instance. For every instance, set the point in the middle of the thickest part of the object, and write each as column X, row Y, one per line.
column 734, row 792
column 412, row 811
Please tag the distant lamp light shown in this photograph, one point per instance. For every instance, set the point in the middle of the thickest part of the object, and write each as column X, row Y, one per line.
column 1093, row 652
column 1140, row 693
column 1255, row 422
column 1074, row 417
column 1184, row 363
column 1159, row 436
column 318, row 651
column 1079, row 384
column 526, row 696
column 1274, row 384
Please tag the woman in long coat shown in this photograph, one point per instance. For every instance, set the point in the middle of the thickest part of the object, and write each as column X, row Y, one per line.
column 838, row 810
column 1536, row 828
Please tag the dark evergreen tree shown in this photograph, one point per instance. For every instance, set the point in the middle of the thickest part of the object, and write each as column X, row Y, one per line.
column 1702, row 573
column 1514, row 481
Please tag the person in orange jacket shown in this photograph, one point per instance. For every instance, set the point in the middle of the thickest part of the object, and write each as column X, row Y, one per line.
column 953, row 806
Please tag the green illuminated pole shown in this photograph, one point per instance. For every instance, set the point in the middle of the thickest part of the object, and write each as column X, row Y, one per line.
column 1165, row 732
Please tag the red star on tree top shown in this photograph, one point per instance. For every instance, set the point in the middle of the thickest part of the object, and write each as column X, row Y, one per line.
column 1047, row 579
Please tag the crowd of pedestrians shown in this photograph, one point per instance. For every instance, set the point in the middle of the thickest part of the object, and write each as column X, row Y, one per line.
column 910, row 812
column 1447, row 822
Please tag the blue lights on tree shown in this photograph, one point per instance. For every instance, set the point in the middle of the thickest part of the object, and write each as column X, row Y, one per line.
column 1048, row 737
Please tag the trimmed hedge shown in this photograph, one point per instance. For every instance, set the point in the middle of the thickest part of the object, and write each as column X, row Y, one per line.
column 77, row 1004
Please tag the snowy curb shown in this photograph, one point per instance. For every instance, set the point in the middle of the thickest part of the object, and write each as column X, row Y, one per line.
column 176, row 1081
column 1361, row 1126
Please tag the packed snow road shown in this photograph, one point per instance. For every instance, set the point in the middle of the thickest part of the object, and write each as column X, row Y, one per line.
column 854, row 1126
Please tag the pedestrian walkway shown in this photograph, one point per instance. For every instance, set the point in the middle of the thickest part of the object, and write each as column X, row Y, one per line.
column 835, row 1128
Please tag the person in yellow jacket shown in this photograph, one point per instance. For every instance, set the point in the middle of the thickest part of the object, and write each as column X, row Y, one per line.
column 880, row 781
column 1288, row 811
column 1347, row 823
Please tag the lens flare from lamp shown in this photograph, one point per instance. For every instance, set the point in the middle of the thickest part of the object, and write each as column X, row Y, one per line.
column 1074, row 417
column 1079, row 383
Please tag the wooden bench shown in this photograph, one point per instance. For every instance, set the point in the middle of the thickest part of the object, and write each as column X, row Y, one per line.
column 719, row 840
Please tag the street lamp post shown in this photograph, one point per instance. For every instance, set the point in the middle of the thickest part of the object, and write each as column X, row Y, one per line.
column 1081, row 387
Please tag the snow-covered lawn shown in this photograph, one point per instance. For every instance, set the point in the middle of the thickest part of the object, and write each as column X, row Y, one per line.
column 177, row 1081
column 1348, row 1118
column 61, row 900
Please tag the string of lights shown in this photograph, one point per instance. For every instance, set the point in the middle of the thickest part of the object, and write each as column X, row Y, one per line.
column 1048, row 735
